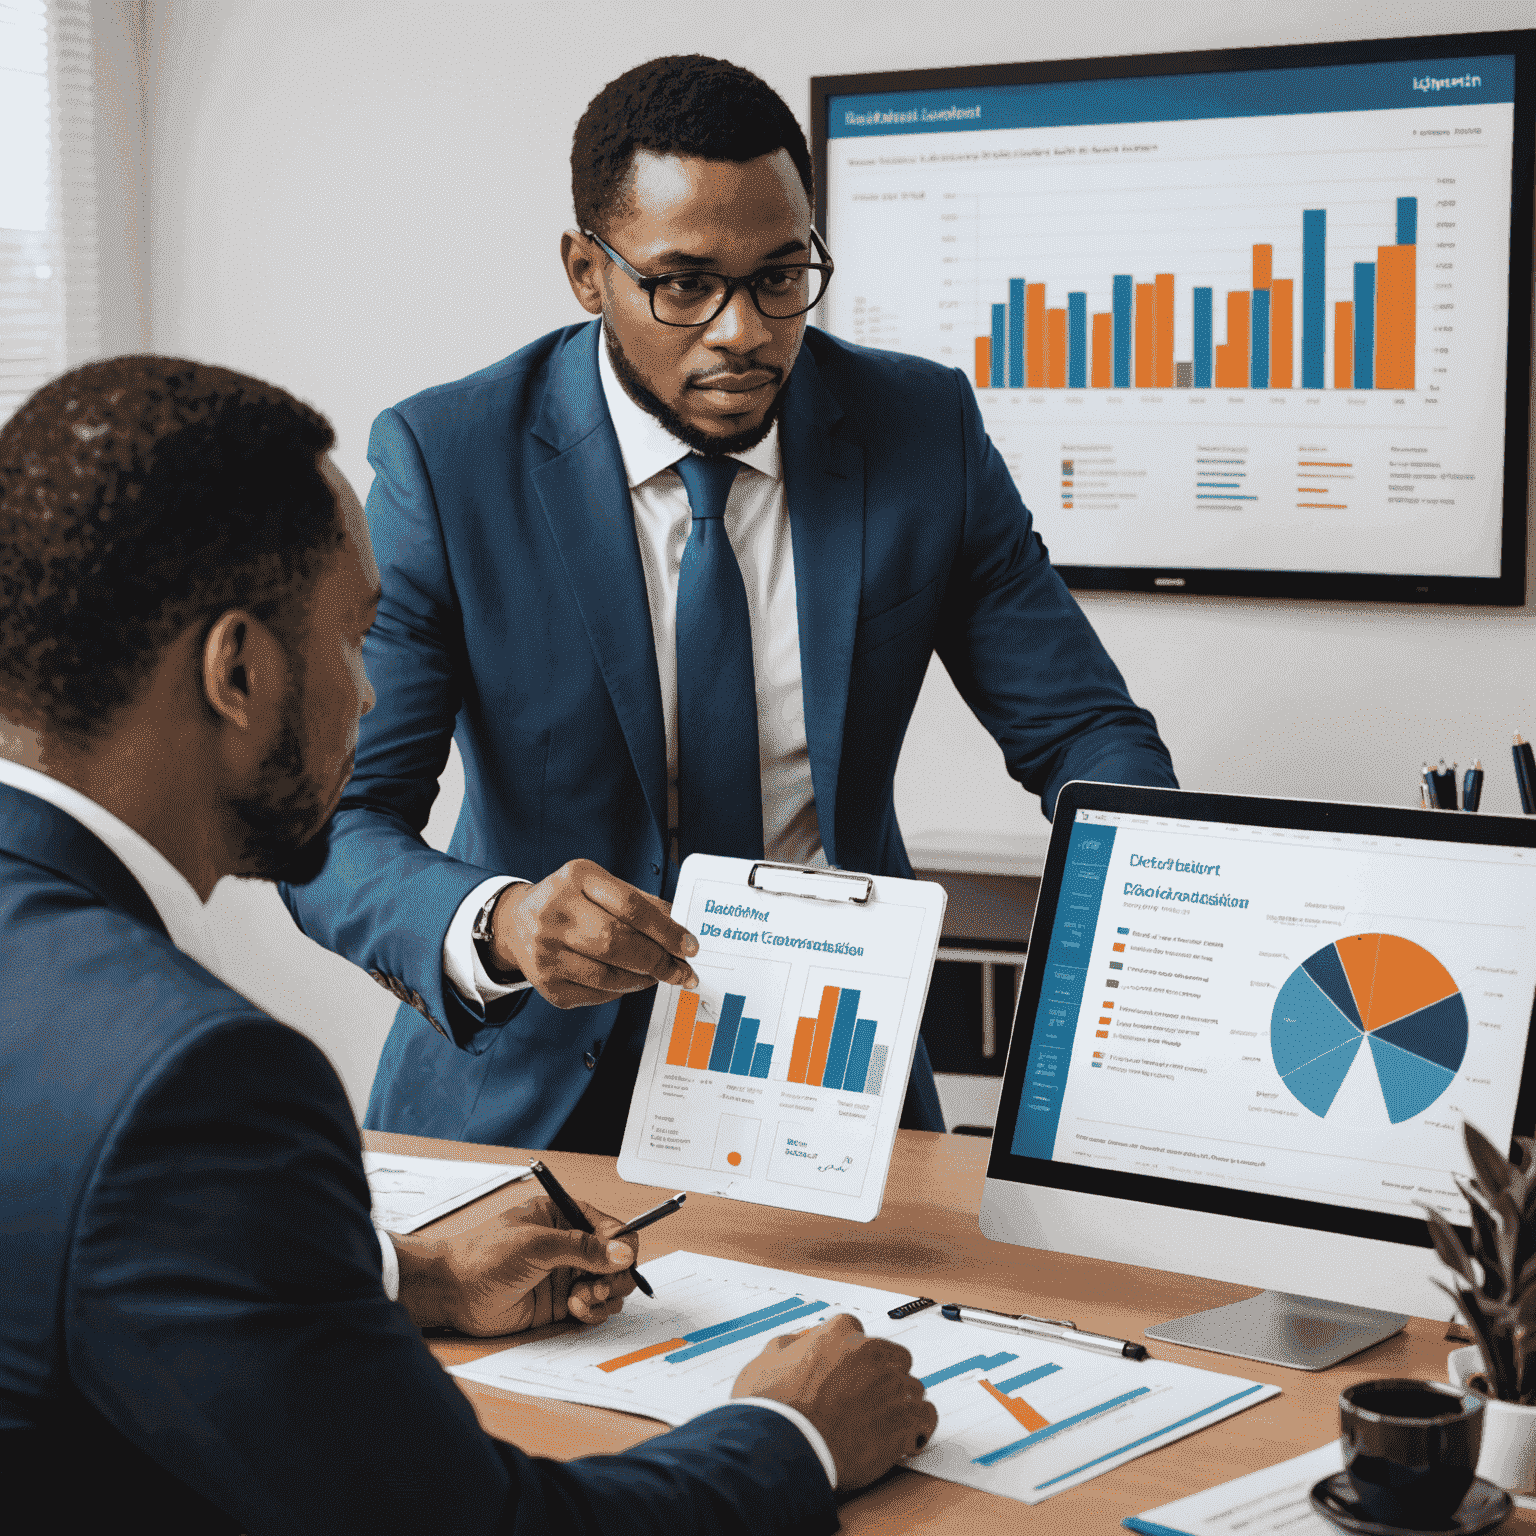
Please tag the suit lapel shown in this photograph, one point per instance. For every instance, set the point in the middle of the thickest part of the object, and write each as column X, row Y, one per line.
column 586, row 502
column 42, row 834
column 824, row 484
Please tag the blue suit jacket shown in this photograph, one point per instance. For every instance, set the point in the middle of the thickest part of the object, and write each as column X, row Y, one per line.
column 515, row 619
column 195, row 1337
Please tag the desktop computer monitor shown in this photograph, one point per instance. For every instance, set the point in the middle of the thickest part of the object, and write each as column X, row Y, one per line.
column 1248, row 1035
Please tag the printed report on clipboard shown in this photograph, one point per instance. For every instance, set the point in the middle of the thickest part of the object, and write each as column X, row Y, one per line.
column 780, row 1078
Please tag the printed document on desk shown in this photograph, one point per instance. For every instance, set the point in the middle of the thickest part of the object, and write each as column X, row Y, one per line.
column 408, row 1192
column 1274, row 1501
column 1023, row 1418
column 780, row 1078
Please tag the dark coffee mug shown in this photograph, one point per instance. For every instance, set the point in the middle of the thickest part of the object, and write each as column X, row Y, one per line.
column 1410, row 1449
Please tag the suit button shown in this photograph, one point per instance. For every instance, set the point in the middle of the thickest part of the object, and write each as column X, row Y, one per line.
column 590, row 1060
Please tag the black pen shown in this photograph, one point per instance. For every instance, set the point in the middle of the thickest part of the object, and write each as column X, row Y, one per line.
column 1472, row 787
column 572, row 1213
column 666, row 1208
column 1525, row 774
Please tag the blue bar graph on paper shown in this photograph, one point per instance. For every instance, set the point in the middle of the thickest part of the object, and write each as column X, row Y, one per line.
column 858, row 1056
column 731, row 1324
column 1122, row 311
column 1015, row 333
column 1013, row 1448
column 746, row 1041
column 999, row 325
column 1314, row 306
column 725, row 1340
column 842, row 1038
column 975, row 1363
column 1202, row 298
column 1407, row 221
column 1024, row 1378
column 1077, row 341
column 725, row 1032
column 1258, row 357
column 1365, row 325
column 760, row 1060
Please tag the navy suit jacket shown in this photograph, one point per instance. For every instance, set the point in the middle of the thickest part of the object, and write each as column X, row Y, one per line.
column 195, row 1335
column 515, row 620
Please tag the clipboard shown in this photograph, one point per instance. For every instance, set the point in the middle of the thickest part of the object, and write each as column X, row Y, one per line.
column 779, row 1080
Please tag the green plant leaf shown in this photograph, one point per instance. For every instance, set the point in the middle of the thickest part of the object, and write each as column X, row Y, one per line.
column 1494, row 1171
column 1448, row 1246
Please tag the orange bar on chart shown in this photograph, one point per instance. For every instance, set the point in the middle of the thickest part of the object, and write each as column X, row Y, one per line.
column 1344, row 344
column 824, row 1017
column 620, row 1361
column 1019, row 1409
column 1232, row 359
column 1034, row 335
column 800, row 1051
column 1103, row 375
column 1145, row 333
column 682, row 1029
column 983, row 361
column 1162, row 341
column 1395, row 272
column 1055, row 349
column 703, row 1039
column 1263, row 262
column 1281, row 342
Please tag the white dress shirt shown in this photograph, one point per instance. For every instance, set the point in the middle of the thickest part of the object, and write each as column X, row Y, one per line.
column 757, row 524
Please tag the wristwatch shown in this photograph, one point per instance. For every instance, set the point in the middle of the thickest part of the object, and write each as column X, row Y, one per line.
column 483, row 936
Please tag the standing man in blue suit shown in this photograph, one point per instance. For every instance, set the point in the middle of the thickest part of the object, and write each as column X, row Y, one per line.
column 198, row 1335
column 672, row 579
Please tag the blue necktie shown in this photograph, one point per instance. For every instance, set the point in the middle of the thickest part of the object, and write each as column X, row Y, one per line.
column 719, row 784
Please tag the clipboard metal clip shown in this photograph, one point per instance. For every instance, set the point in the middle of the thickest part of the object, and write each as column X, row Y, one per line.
column 813, row 884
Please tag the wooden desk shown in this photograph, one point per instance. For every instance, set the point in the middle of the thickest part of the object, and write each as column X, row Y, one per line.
column 926, row 1243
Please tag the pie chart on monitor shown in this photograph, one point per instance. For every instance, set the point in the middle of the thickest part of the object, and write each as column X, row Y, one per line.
column 1376, row 990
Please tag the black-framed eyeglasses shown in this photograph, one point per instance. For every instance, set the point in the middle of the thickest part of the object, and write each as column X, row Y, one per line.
column 780, row 291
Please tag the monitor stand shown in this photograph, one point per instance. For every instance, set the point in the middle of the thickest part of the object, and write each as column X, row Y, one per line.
column 1302, row 1332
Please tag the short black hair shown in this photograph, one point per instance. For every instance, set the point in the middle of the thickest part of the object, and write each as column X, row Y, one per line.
column 685, row 104
column 138, row 496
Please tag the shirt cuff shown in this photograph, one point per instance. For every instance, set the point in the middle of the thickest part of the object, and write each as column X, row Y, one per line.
column 462, row 964
column 803, row 1424
column 389, row 1263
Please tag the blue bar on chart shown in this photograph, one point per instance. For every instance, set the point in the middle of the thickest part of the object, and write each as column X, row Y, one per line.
column 1077, row 341
column 1365, row 324
column 975, row 1363
column 999, row 324
column 1258, row 363
column 858, row 1056
column 723, row 1335
column 725, row 1032
column 1407, row 221
column 842, row 1039
column 1002, row 1453
column 746, row 1043
column 761, row 1058
column 1121, row 308
column 1015, row 333
column 1314, row 296
column 1024, row 1378
column 1202, row 301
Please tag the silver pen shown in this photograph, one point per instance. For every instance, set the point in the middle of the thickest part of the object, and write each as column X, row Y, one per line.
column 1037, row 1329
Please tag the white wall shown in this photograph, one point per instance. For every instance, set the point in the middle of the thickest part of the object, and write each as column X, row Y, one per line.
column 358, row 198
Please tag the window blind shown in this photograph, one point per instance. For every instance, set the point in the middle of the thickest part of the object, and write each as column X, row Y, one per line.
column 49, row 313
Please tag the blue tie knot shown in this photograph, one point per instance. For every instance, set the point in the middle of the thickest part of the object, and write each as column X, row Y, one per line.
column 708, row 483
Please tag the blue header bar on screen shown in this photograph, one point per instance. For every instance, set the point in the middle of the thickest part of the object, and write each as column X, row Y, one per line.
column 1175, row 98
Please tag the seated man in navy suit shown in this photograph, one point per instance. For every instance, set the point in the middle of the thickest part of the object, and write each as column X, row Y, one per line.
column 672, row 579
column 198, row 1335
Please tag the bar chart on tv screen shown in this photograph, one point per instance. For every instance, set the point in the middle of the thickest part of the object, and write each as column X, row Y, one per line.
column 1274, row 339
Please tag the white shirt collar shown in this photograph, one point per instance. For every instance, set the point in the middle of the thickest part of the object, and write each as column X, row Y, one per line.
column 169, row 891
column 647, row 446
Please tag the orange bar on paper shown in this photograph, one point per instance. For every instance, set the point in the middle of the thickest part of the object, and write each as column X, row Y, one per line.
column 983, row 361
column 682, row 1029
column 800, row 1051
column 1395, row 274
column 823, row 1039
column 1281, row 334
column 635, row 1357
column 1019, row 1409
column 1344, row 344
column 1034, row 335
column 1055, row 349
column 1103, row 375
column 703, row 1039
column 1162, row 340
column 1232, row 359
column 1145, row 334
column 1263, row 263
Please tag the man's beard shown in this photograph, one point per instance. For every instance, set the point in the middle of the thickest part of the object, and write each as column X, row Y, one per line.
column 285, row 830
column 705, row 443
